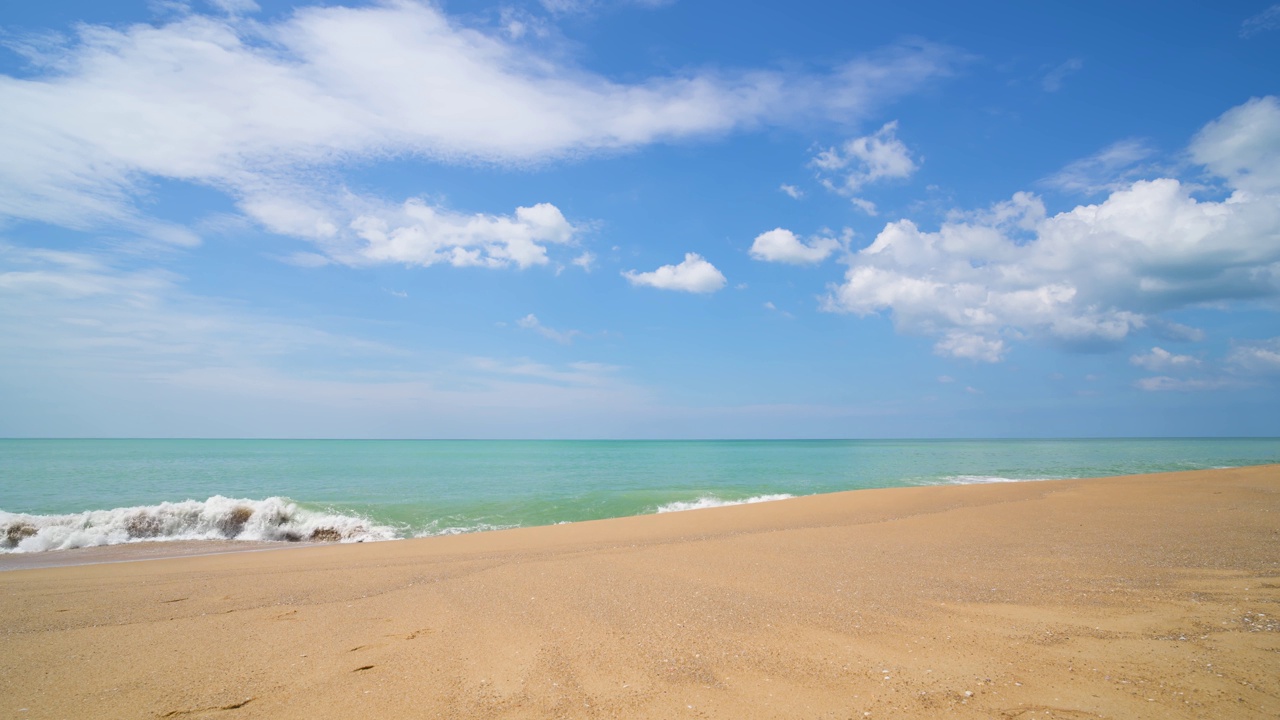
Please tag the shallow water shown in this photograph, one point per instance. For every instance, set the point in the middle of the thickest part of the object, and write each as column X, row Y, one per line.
column 57, row 494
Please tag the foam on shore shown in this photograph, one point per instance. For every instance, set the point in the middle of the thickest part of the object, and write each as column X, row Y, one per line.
column 985, row 479
column 710, row 501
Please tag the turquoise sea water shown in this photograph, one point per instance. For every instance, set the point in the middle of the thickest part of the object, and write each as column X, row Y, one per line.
column 70, row 493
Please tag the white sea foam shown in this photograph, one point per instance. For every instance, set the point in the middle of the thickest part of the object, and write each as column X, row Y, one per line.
column 218, row 518
column 434, row 529
column 710, row 501
column 984, row 479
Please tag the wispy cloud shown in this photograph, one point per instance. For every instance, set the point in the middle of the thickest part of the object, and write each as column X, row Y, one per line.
column 263, row 110
column 1103, row 171
column 531, row 322
column 1164, row 383
column 127, row 350
column 1052, row 80
column 1268, row 19
column 577, row 7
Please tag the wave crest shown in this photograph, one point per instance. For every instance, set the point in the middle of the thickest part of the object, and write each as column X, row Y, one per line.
column 274, row 519
column 985, row 479
column 710, row 501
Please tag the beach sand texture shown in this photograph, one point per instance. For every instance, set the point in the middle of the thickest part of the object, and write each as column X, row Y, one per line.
column 1154, row 596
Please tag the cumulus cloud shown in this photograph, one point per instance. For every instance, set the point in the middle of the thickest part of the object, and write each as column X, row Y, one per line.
column 791, row 191
column 358, row 231
column 780, row 245
column 245, row 107
column 1256, row 357
column 1160, row 359
column 1089, row 277
column 694, row 275
column 856, row 163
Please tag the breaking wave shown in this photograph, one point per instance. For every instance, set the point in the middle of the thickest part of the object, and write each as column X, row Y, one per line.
column 710, row 501
column 218, row 518
column 984, row 479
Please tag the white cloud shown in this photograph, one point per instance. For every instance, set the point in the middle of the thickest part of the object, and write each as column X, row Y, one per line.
column 235, row 7
column 531, row 322
column 1089, row 277
column 1164, row 383
column 1243, row 146
column 573, row 374
column 1175, row 331
column 779, row 245
column 865, row 206
column 768, row 305
column 358, row 231
column 247, row 107
column 693, row 274
column 95, row 346
column 586, row 261
column 792, row 191
column 1256, row 357
column 1052, row 81
column 1160, row 359
column 1103, row 171
column 574, row 7
column 848, row 168
column 970, row 346
column 95, row 312
column 1268, row 19
column 418, row 234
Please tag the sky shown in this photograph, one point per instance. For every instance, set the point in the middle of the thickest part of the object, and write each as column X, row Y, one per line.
column 639, row 219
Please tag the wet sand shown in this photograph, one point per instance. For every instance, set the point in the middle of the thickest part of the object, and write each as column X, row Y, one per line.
column 1154, row 596
column 133, row 552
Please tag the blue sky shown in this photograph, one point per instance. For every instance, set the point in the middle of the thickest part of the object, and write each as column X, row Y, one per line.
column 643, row 218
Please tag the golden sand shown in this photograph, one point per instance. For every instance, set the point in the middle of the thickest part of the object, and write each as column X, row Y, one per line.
column 1154, row 596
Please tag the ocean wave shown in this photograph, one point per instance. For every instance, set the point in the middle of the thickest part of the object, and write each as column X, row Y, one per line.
column 710, row 501
column 984, row 479
column 274, row 519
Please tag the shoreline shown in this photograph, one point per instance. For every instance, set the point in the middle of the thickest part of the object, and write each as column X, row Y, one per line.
column 144, row 550
column 1129, row 596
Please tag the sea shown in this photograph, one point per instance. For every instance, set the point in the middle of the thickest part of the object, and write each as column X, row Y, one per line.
column 61, row 494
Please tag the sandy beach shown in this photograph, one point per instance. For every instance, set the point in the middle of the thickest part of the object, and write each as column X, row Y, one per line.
column 1154, row 596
